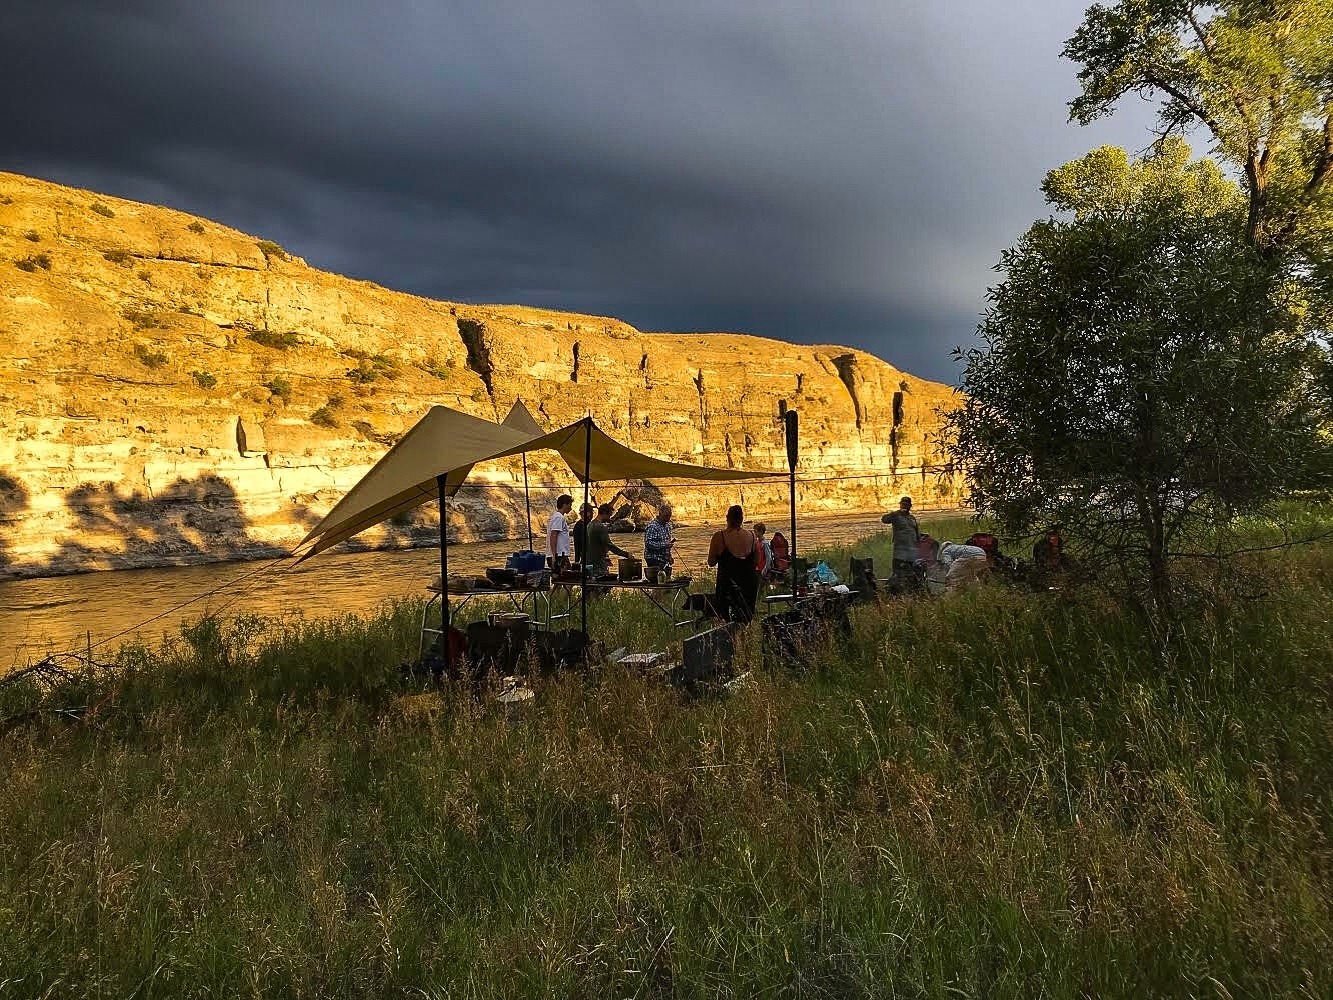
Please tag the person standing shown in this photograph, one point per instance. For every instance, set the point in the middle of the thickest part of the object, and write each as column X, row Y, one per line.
column 906, row 533
column 658, row 540
column 735, row 552
column 580, row 531
column 600, row 546
column 558, row 533
column 764, row 566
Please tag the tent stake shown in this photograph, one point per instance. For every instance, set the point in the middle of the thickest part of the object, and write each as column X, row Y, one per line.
column 444, row 578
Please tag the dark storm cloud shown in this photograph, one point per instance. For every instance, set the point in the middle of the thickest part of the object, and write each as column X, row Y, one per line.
column 826, row 173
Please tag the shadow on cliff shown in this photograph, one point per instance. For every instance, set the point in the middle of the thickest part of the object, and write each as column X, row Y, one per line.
column 13, row 502
column 191, row 521
column 491, row 513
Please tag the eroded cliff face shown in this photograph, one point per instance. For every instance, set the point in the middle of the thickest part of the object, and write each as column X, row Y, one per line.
column 175, row 391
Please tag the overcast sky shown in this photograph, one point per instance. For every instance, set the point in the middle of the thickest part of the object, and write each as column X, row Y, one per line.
column 820, row 172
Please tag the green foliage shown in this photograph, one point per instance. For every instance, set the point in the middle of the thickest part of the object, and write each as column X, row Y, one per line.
column 992, row 796
column 196, row 227
column 371, row 368
column 441, row 370
column 277, row 341
column 102, row 209
column 149, row 359
column 270, row 250
column 1145, row 378
column 324, row 417
column 1257, row 76
column 336, row 402
column 1106, row 183
column 144, row 319
column 35, row 262
column 121, row 257
column 280, row 387
column 144, row 275
column 205, row 380
column 32, row 236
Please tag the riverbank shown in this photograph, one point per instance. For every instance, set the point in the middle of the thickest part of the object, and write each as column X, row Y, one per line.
column 996, row 795
column 58, row 613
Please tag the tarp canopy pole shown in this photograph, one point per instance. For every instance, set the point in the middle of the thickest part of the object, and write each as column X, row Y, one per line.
column 446, row 645
column 527, row 499
column 583, row 584
column 792, row 454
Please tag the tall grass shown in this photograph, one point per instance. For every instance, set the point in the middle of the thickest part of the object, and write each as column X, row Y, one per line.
column 994, row 795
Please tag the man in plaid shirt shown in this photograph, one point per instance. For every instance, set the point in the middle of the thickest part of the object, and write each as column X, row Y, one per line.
column 657, row 539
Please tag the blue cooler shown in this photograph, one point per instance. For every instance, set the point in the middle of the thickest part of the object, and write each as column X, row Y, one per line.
column 526, row 562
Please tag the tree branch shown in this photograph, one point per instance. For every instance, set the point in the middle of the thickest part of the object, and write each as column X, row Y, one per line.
column 1324, row 165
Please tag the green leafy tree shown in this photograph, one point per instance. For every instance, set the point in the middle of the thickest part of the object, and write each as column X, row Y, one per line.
column 1144, row 376
column 1258, row 76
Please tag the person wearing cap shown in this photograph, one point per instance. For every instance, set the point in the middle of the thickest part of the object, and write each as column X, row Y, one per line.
column 906, row 533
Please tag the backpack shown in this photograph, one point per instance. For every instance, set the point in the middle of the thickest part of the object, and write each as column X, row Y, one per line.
column 987, row 543
column 781, row 553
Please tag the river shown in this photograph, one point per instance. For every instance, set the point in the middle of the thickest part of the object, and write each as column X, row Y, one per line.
column 57, row 613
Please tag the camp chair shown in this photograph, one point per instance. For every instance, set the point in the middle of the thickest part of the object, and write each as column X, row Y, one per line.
column 861, row 578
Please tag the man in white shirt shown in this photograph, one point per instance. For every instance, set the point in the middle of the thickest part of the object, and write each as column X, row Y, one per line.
column 557, row 533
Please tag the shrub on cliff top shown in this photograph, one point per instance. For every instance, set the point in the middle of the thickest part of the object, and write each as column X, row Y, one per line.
column 102, row 210
column 33, row 236
column 121, row 257
column 270, row 250
column 205, row 380
column 196, row 227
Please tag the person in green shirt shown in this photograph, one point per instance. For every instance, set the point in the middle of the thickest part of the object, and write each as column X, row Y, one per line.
column 599, row 545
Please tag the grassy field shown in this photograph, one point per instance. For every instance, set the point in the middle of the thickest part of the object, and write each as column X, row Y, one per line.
column 993, row 795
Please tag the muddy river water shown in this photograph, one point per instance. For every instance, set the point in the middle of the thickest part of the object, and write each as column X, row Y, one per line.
column 57, row 613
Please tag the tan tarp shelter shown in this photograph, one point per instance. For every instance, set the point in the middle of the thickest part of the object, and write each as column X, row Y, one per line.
column 449, row 443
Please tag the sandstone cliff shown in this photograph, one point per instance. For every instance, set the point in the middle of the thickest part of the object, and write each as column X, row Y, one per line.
column 172, row 390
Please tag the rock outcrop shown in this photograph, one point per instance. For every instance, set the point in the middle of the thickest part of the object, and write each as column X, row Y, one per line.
column 175, row 391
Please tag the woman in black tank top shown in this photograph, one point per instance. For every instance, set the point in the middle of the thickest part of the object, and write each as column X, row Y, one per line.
column 734, row 551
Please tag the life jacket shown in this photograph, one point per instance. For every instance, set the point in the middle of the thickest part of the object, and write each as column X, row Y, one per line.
column 781, row 552
column 988, row 543
column 761, row 560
